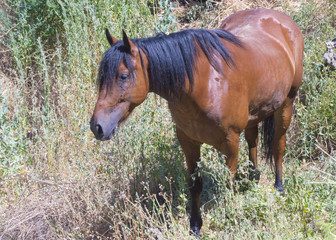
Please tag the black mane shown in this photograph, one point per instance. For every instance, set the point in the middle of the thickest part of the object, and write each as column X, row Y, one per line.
column 171, row 58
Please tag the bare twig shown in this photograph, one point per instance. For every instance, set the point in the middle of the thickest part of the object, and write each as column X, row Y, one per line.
column 325, row 173
column 323, row 182
column 322, row 150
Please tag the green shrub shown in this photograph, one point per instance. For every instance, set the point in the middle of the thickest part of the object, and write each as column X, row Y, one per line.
column 317, row 108
column 12, row 143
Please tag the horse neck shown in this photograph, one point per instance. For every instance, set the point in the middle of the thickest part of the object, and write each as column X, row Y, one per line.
column 168, row 74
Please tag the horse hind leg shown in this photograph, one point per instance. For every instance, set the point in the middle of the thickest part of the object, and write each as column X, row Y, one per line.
column 282, row 119
column 191, row 151
column 251, row 137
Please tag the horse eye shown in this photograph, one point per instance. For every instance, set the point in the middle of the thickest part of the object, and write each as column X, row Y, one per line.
column 123, row 76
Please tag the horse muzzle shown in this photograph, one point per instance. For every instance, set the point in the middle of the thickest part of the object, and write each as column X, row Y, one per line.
column 99, row 133
column 103, row 129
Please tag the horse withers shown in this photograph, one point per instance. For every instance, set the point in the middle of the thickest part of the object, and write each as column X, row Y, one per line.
column 218, row 83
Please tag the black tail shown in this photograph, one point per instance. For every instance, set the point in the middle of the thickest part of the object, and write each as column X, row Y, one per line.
column 268, row 135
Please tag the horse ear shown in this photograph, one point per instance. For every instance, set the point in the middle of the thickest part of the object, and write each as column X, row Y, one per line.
column 112, row 40
column 130, row 46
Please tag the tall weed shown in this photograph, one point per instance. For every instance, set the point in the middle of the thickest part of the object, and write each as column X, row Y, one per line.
column 317, row 107
column 51, row 168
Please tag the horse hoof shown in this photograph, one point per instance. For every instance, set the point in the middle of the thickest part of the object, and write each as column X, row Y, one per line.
column 254, row 175
column 280, row 189
column 195, row 231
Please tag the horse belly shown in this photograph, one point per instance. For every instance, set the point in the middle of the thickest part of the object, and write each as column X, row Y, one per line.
column 267, row 101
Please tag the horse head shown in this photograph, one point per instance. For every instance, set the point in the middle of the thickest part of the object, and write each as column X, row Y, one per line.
column 122, row 85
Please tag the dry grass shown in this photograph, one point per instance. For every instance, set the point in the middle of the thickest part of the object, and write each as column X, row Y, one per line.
column 210, row 14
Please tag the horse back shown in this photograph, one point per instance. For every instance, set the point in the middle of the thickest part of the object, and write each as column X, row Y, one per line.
column 270, row 63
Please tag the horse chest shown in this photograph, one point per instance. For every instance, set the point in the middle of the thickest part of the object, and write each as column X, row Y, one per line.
column 197, row 125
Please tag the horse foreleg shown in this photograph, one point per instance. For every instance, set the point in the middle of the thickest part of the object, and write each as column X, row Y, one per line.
column 282, row 118
column 230, row 149
column 251, row 136
column 191, row 151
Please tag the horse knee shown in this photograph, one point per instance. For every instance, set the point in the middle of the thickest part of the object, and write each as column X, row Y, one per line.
column 195, row 185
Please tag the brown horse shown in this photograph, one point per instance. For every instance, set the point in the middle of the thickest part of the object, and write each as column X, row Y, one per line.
column 217, row 83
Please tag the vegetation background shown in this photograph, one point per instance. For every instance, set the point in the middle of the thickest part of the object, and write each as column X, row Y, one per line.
column 58, row 182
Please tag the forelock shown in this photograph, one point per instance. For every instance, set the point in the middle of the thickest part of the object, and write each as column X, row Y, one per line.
column 110, row 63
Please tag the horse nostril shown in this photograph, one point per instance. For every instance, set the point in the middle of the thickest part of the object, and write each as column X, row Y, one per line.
column 99, row 130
